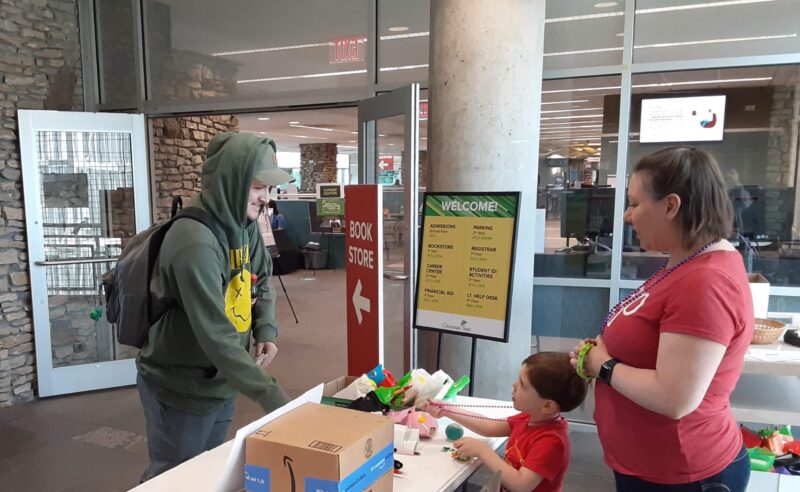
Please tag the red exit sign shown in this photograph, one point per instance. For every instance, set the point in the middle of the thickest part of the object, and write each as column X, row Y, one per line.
column 347, row 50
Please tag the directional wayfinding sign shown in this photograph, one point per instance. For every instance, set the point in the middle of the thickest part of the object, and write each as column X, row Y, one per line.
column 364, row 266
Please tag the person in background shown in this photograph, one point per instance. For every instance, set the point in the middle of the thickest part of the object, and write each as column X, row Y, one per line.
column 537, row 453
column 670, row 354
column 278, row 219
column 196, row 357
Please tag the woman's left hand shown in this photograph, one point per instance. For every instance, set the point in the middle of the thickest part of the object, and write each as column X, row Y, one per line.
column 594, row 358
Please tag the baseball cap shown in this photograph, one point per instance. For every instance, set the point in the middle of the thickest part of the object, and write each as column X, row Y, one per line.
column 267, row 170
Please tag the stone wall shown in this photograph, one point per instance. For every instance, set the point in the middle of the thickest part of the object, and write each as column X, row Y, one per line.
column 179, row 149
column 317, row 165
column 40, row 68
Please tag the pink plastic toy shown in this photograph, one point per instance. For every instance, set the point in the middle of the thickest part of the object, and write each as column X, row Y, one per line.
column 412, row 419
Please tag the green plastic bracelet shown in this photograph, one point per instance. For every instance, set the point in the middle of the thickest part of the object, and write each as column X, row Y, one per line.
column 581, row 357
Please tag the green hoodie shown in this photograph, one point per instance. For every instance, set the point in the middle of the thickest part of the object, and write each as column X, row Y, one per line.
column 196, row 356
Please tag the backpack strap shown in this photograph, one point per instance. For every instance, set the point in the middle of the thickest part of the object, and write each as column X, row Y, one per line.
column 207, row 220
column 177, row 205
column 193, row 213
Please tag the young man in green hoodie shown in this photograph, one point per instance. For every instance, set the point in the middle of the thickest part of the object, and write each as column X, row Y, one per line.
column 196, row 357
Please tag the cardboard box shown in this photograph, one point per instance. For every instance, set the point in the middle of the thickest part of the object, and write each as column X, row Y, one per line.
column 337, row 385
column 759, row 287
column 319, row 448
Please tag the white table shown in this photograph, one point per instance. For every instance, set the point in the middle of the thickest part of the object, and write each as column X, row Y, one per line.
column 749, row 404
column 433, row 470
column 772, row 482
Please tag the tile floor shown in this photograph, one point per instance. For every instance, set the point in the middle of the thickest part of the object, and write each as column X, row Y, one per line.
column 95, row 441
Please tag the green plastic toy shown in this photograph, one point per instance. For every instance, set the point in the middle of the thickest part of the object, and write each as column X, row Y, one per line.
column 96, row 313
column 760, row 459
column 459, row 385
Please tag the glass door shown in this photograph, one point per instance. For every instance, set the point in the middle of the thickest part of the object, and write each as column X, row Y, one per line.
column 86, row 194
column 389, row 155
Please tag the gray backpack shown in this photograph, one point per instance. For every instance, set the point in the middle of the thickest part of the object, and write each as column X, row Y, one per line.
column 127, row 285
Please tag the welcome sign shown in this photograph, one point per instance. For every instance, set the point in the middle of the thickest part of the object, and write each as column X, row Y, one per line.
column 465, row 266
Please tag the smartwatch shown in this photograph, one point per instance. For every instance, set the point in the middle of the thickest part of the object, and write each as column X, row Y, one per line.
column 606, row 370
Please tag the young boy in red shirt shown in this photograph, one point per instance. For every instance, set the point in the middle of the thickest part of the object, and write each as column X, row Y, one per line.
column 537, row 452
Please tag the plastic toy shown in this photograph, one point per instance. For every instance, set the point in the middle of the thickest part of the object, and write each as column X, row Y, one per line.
column 459, row 385
column 760, row 459
column 454, row 454
column 96, row 313
column 376, row 375
column 427, row 424
column 454, row 432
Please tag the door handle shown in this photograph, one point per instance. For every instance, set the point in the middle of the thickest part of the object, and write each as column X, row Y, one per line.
column 395, row 276
column 75, row 261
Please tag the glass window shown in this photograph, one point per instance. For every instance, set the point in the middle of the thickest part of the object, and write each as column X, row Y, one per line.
column 577, row 178
column 249, row 49
column 115, row 53
column 561, row 317
column 756, row 145
column 403, row 40
column 583, row 33
column 696, row 29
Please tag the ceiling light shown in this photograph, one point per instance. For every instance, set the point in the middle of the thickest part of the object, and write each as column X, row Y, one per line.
column 583, row 89
column 704, row 82
column 347, row 146
column 405, row 36
column 605, row 5
column 583, row 52
column 391, row 144
column 263, row 118
column 312, row 138
column 307, row 76
column 294, row 122
column 566, row 102
column 620, row 34
column 728, row 3
column 573, row 117
column 381, row 135
column 398, row 29
column 406, row 67
column 716, row 41
column 571, row 110
column 351, row 141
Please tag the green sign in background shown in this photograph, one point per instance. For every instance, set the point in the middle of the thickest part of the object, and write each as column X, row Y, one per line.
column 330, row 207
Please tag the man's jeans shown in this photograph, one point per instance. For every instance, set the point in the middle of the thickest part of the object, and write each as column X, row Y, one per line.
column 174, row 436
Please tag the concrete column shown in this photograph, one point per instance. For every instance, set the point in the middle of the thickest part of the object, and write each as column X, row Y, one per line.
column 483, row 135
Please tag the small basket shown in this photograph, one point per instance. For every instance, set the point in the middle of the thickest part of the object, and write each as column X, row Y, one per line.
column 767, row 331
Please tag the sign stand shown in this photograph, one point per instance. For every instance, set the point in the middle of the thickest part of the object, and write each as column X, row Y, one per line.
column 364, row 273
column 465, row 269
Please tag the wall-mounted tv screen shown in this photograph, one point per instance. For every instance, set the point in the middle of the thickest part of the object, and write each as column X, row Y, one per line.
column 682, row 119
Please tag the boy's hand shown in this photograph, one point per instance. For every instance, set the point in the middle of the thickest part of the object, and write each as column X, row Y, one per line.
column 469, row 447
column 434, row 410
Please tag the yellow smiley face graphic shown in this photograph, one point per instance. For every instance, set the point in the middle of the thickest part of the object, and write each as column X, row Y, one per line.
column 237, row 301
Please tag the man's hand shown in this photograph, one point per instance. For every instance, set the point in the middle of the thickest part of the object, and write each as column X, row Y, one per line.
column 469, row 447
column 268, row 350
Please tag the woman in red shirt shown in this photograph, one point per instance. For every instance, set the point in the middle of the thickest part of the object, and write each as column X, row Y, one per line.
column 670, row 354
